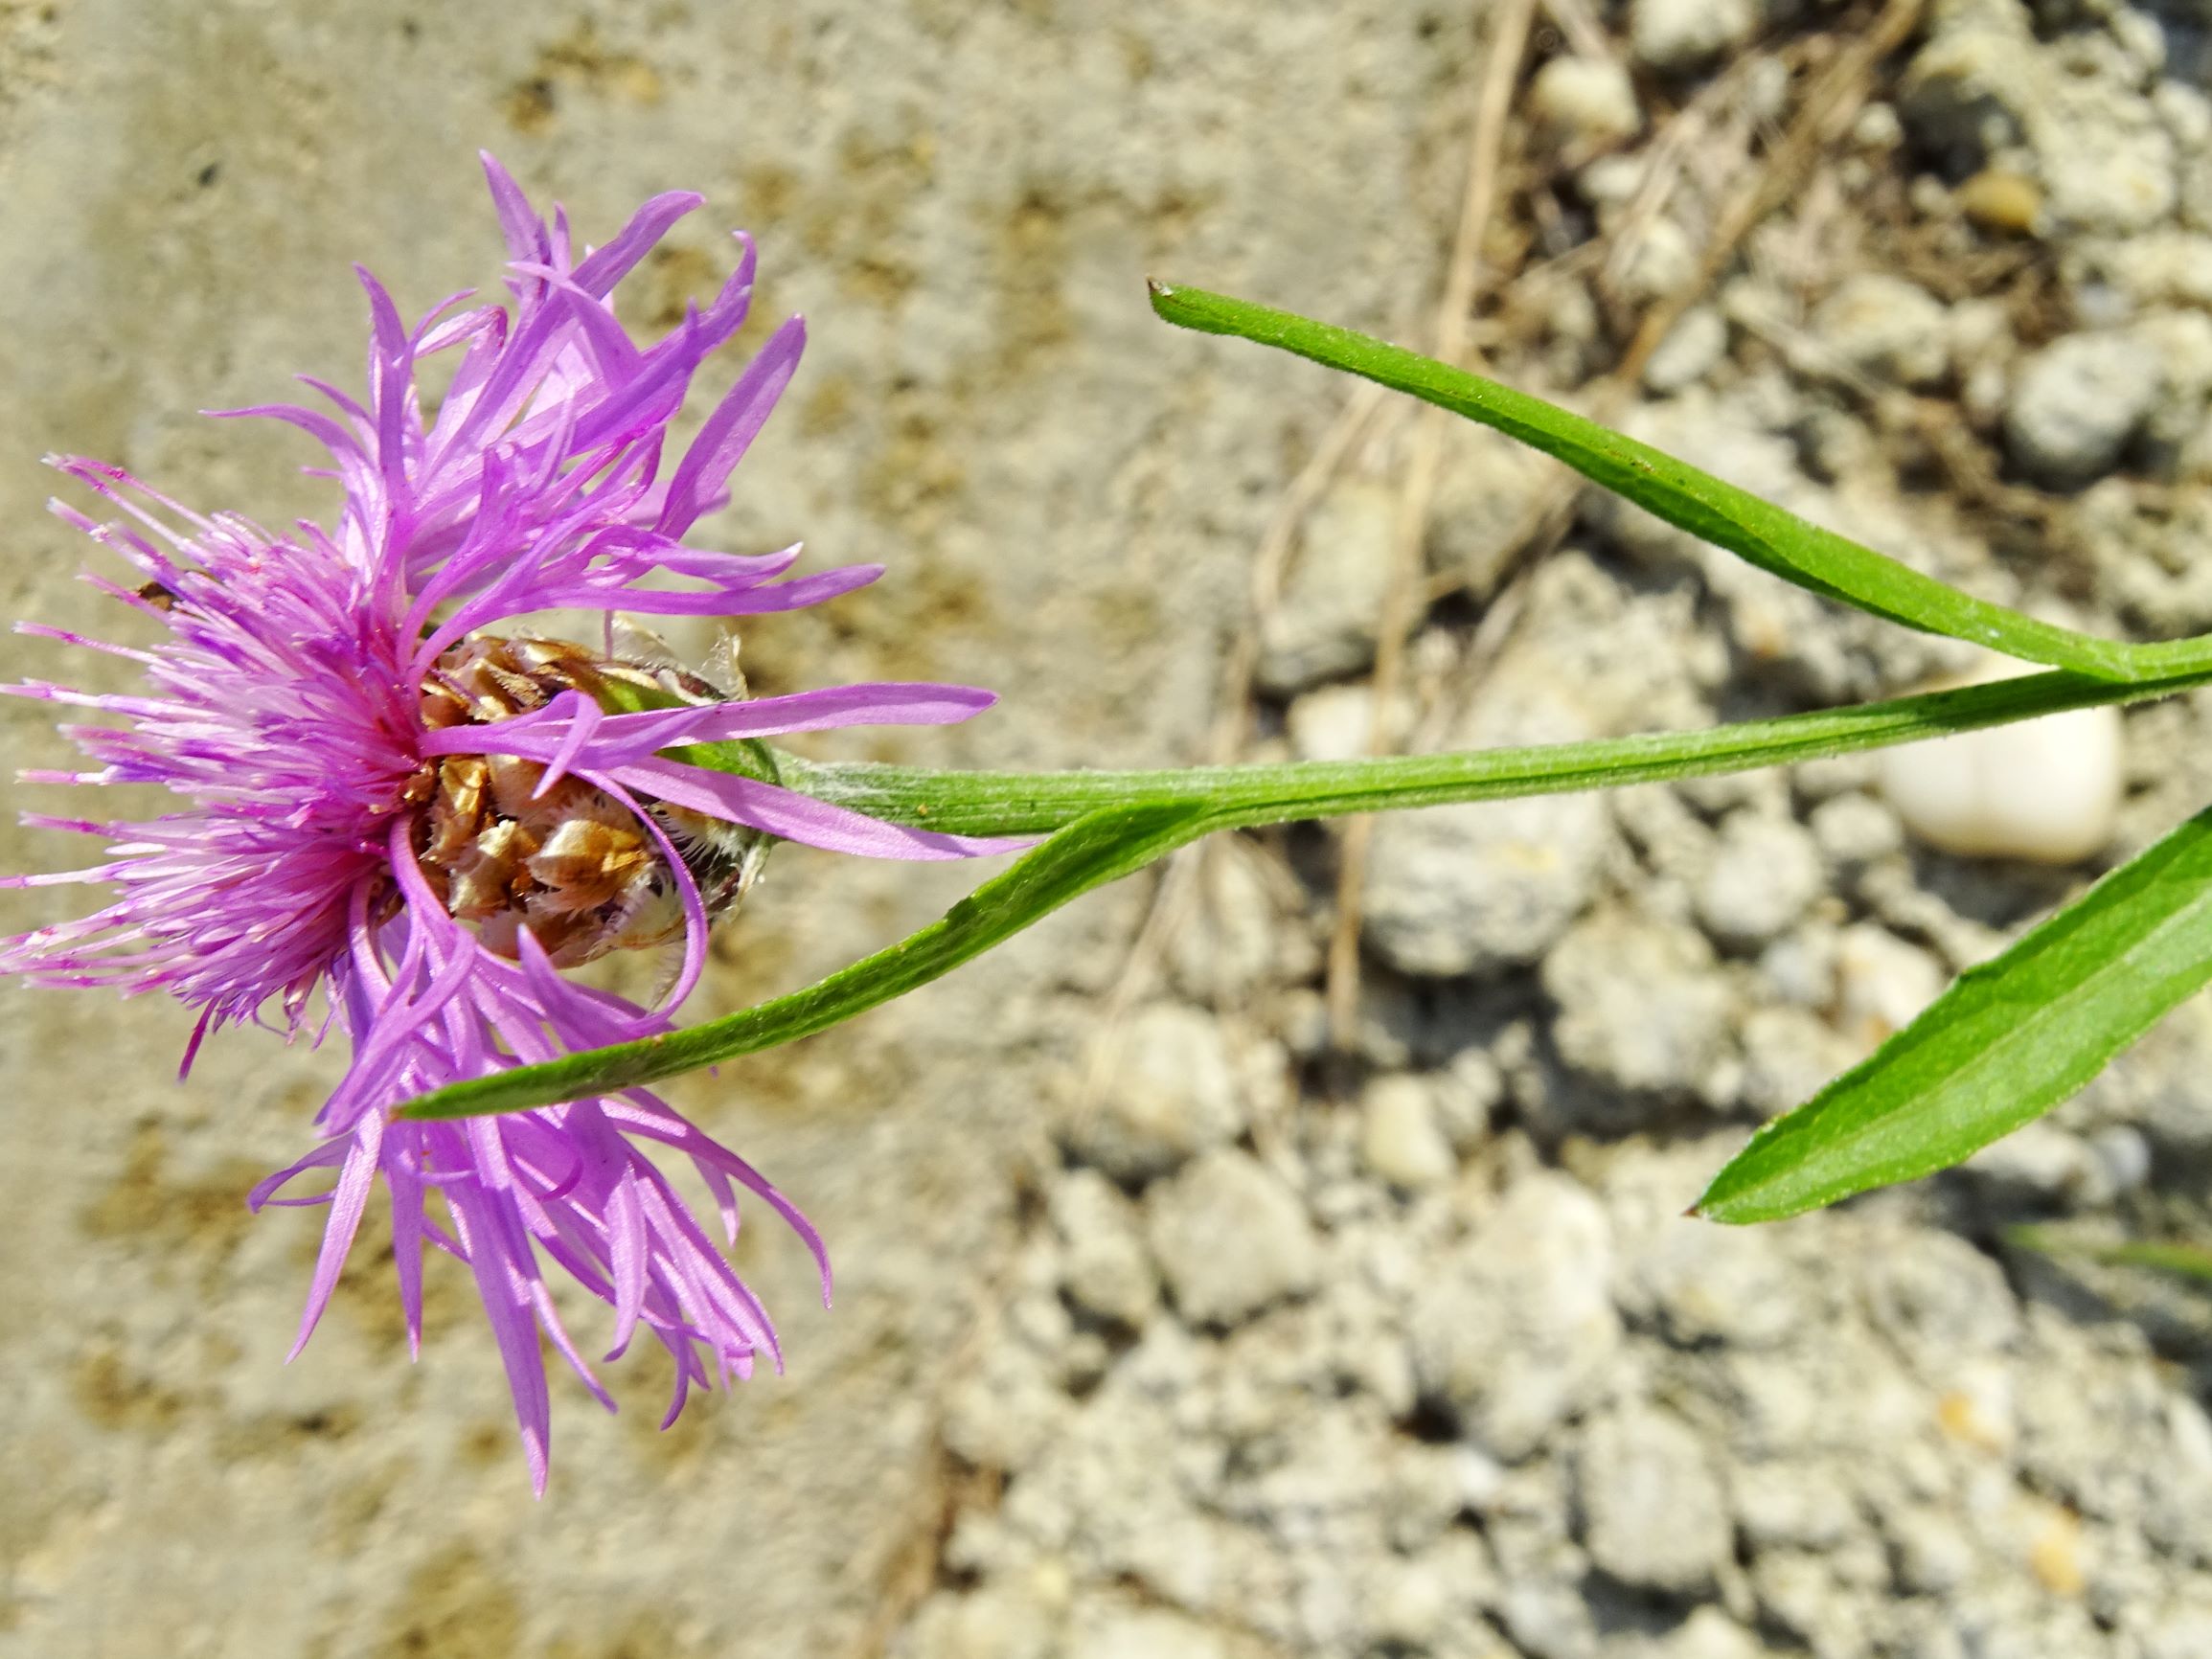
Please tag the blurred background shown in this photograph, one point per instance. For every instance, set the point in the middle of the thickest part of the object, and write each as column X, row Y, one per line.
column 1282, row 1254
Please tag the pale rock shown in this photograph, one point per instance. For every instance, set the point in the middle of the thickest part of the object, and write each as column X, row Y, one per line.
column 1399, row 1141
column 1878, row 127
column 1855, row 830
column 2124, row 1154
column 1519, row 1331
column 997, row 1621
column 1231, row 1239
column 1800, row 966
column 1169, row 1093
column 2041, row 1162
column 2047, row 790
column 1460, row 890
column 1830, row 775
column 1235, row 942
column 1642, row 1006
column 2187, row 114
column 1791, row 1054
column 1484, row 490
column 1608, row 184
column 1410, row 1604
column 1931, row 1553
column 1588, row 100
column 1145, row 1633
column 2181, row 1633
column 1709, row 1633
column 2076, row 403
column 2164, row 266
column 2182, row 340
column 1103, row 1261
column 1463, row 1096
column 1882, row 982
column 2107, row 162
column 1798, row 1592
column 1969, row 91
column 1885, row 327
column 1663, row 260
column 1547, row 1617
column 1332, row 603
column 1979, row 334
column 1654, row 1513
column 1008, row 1412
column 1763, row 874
column 1696, row 342
column 1792, row 1504
column 1675, row 36
column 1940, row 1300
column 1702, row 1284
column 1332, row 723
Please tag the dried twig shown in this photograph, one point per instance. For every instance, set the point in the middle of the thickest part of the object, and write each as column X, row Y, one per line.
column 1177, row 886
column 1829, row 107
column 1508, row 43
column 1585, row 37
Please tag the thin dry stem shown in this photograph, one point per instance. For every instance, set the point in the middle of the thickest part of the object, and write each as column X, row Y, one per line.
column 1486, row 147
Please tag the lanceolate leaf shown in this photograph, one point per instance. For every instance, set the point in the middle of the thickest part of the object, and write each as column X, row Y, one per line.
column 1089, row 853
column 1774, row 540
column 2008, row 1041
column 1110, row 823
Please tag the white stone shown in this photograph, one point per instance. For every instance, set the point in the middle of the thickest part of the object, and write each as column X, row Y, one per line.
column 1882, row 982
column 1519, row 1328
column 1147, row 1633
column 1231, row 1239
column 1763, row 874
column 1103, row 1261
column 1455, row 890
column 1332, row 603
column 1642, row 1007
column 1654, row 1514
column 1586, row 99
column 2076, row 403
column 1855, row 830
column 1677, row 36
column 1696, row 342
column 1331, row 723
column 2047, row 790
column 1399, row 1141
column 1169, row 1093
column 1886, row 327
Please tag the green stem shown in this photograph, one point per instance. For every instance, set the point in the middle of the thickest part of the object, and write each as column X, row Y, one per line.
column 1779, row 542
column 1037, row 802
column 1106, row 825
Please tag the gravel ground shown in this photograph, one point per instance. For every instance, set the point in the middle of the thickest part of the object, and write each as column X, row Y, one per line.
column 1165, row 1328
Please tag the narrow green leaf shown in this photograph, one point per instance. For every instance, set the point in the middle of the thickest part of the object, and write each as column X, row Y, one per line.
column 1089, row 853
column 1716, row 511
column 1127, row 819
column 2161, row 1254
column 1032, row 803
column 2008, row 1041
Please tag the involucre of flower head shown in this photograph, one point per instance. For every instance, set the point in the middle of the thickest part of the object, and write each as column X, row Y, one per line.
column 394, row 799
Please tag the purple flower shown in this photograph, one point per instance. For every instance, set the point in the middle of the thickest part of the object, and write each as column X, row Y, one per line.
column 389, row 800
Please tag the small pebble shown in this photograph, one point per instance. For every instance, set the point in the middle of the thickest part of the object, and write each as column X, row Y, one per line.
column 1675, row 36
column 2076, row 403
column 1399, row 1138
column 2046, row 790
column 1689, row 352
column 2009, row 204
column 1589, row 101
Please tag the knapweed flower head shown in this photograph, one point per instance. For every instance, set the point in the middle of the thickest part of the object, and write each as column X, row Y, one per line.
column 403, row 814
